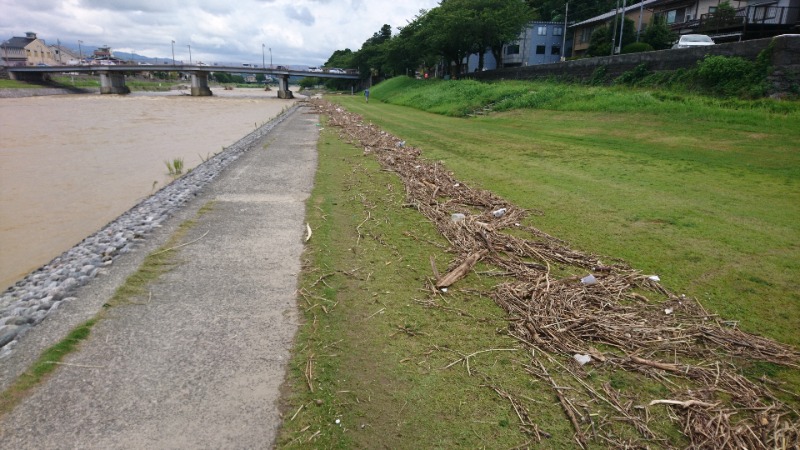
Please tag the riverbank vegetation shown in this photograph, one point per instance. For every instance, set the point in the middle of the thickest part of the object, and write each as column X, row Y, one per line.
column 701, row 191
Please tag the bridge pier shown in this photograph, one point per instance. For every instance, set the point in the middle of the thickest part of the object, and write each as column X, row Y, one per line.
column 113, row 83
column 200, row 85
column 283, row 87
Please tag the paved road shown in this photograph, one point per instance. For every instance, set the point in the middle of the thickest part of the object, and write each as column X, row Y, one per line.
column 199, row 365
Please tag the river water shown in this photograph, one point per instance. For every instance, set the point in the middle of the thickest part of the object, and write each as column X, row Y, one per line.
column 69, row 164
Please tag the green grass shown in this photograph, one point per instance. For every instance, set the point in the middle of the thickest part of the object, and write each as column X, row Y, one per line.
column 14, row 84
column 376, row 341
column 702, row 192
column 46, row 364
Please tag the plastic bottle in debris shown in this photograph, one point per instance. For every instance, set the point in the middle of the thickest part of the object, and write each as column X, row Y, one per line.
column 499, row 213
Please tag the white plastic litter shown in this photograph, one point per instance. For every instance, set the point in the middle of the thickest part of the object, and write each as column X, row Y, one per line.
column 499, row 213
column 654, row 278
column 457, row 217
column 582, row 359
column 588, row 280
column 444, row 290
column 668, row 311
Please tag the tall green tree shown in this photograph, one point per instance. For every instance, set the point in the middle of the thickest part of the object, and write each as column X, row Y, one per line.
column 600, row 42
column 553, row 10
column 449, row 30
column 658, row 34
column 409, row 50
column 499, row 22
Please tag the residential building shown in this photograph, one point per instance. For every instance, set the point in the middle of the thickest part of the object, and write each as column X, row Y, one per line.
column 65, row 56
column 538, row 43
column 640, row 13
column 26, row 51
column 749, row 19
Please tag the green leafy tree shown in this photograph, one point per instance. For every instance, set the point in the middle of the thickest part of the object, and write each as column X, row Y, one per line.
column 449, row 30
column 371, row 59
column 554, row 10
column 723, row 17
column 499, row 22
column 600, row 42
column 658, row 34
column 341, row 58
column 408, row 50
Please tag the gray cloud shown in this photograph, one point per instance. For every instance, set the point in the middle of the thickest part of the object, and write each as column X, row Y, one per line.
column 301, row 14
column 297, row 31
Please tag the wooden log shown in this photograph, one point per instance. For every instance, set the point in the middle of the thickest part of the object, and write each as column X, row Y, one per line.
column 460, row 271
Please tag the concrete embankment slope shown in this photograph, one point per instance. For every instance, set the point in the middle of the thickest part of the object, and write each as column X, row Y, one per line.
column 200, row 362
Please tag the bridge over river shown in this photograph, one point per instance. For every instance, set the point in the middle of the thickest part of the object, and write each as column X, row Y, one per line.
column 112, row 78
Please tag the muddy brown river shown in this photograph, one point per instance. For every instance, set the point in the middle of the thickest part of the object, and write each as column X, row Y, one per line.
column 72, row 163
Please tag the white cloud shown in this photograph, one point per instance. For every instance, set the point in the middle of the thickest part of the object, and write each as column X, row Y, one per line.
column 297, row 31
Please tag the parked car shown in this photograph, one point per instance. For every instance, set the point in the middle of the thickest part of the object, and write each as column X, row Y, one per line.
column 693, row 40
column 335, row 70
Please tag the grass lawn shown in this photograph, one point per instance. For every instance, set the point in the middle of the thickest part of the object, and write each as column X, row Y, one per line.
column 371, row 363
column 704, row 194
column 708, row 198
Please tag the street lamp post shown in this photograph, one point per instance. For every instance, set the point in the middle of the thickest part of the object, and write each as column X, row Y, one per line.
column 190, row 53
column 263, row 63
column 270, row 57
column 173, row 52
column 80, row 51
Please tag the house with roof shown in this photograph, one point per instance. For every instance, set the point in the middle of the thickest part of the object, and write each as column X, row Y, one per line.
column 731, row 20
column 539, row 43
column 65, row 56
column 26, row 51
column 640, row 13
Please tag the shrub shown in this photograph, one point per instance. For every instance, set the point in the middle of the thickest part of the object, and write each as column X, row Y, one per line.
column 728, row 76
column 637, row 47
column 658, row 34
column 633, row 76
column 599, row 75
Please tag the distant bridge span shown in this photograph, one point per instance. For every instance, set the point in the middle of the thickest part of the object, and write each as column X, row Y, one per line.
column 112, row 78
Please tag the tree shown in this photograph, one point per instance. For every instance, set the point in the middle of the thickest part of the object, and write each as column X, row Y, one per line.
column 341, row 58
column 449, row 30
column 579, row 10
column 499, row 22
column 658, row 34
column 408, row 49
column 600, row 42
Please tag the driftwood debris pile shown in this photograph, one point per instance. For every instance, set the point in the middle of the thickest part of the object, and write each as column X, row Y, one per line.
column 618, row 319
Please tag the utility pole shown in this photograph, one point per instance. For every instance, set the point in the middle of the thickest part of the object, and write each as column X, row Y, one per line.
column 614, row 31
column 80, row 63
column 270, row 57
column 173, row 52
column 564, row 33
column 622, row 24
column 190, row 53
column 639, row 29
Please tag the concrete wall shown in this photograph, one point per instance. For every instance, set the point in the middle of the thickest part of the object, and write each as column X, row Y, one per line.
column 785, row 59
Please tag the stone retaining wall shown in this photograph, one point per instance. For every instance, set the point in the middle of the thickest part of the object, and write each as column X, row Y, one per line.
column 785, row 60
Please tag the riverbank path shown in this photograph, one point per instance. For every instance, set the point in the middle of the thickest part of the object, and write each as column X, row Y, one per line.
column 200, row 360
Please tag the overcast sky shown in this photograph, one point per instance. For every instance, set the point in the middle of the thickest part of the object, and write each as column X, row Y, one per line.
column 298, row 31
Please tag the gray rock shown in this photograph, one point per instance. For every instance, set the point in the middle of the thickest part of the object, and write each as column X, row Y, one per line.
column 8, row 333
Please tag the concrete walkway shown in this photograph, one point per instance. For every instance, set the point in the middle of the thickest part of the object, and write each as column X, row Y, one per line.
column 200, row 364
